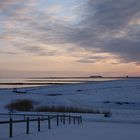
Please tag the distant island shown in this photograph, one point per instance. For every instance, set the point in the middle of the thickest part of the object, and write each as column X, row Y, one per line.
column 81, row 77
column 96, row 76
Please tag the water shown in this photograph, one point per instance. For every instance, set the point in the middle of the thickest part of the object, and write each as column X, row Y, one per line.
column 30, row 82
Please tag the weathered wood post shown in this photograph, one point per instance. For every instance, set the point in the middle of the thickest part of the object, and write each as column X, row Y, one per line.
column 63, row 118
column 81, row 119
column 11, row 128
column 57, row 120
column 27, row 126
column 49, row 122
column 69, row 119
column 74, row 120
column 38, row 124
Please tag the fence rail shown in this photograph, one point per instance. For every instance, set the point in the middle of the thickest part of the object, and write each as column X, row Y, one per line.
column 40, row 117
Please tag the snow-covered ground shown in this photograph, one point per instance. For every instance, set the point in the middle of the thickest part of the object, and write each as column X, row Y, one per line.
column 121, row 97
column 90, row 129
column 121, row 94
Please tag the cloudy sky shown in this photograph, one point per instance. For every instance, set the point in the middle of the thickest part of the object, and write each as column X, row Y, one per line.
column 69, row 37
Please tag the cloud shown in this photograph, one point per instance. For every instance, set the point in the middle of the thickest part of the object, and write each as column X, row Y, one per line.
column 55, row 9
column 111, row 14
column 104, row 26
column 93, row 59
column 10, row 53
column 38, row 50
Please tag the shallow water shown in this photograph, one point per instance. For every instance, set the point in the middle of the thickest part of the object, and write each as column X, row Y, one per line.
column 31, row 82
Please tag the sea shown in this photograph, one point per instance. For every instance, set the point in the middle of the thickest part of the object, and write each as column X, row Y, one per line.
column 34, row 82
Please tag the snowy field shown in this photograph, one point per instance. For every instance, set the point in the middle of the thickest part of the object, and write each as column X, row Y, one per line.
column 121, row 97
column 88, row 130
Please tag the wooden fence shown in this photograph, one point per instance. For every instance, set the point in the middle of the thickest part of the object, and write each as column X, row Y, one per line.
column 40, row 117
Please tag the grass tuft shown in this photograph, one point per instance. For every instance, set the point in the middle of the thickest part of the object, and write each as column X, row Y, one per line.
column 20, row 105
column 65, row 109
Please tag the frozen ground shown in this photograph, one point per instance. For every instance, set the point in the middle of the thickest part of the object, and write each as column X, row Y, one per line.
column 121, row 97
column 121, row 94
column 89, row 130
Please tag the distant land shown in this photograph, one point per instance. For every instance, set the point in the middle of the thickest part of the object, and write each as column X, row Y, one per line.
column 96, row 76
column 82, row 77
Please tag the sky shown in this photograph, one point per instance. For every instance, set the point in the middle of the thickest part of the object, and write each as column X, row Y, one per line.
column 69, row 38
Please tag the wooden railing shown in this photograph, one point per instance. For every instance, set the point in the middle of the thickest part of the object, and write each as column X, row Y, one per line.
column 40, row 117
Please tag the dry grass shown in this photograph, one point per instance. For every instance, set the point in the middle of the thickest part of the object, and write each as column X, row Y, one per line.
column 20, row 105
column 66, row 109
column 28, row 105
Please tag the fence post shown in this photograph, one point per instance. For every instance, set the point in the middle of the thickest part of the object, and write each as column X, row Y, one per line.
column 27, row 126
column 74, row 120
column 38, row 124
column 63, row 118
column 11, row 128
column 57, row 120
column 49, row 123
column 81, row 118
column 69, row 119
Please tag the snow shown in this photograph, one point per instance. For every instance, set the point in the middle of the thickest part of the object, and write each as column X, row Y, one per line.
column 121, row 97
column 121, row 94
column 90, row 129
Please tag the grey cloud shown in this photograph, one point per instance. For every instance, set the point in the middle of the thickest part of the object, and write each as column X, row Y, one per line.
column 5, row 4
column 37, row 50
column 102, row 20
column 92, row 59
column 35, row 27
column 10, row 53
column 99, row 29
column 127, row 49
column 111, row 14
